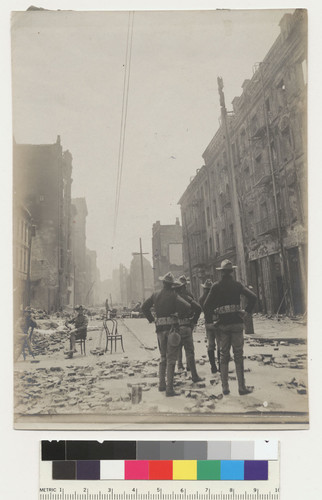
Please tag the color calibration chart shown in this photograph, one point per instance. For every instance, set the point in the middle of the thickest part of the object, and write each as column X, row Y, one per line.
column 159, row 470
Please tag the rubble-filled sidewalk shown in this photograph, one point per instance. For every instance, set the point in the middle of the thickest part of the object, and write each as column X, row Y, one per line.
column 101, row 383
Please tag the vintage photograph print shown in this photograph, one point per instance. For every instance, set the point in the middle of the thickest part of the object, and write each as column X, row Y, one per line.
column 160, row 219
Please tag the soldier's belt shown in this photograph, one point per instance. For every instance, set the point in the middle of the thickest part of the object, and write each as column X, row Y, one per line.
column 166, row 321
column 184, row 321
column 231, row 308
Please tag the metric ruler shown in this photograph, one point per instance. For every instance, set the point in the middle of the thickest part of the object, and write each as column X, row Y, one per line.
column 186, row 492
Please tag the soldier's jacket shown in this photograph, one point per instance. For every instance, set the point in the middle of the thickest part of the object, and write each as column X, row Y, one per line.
column 202, row 300
column 224, row 300
column 195, row 309
column 166, row 303
column 25, row 323
column 80, row 321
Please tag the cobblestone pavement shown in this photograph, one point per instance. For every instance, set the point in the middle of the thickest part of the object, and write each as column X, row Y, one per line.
column 101, row 382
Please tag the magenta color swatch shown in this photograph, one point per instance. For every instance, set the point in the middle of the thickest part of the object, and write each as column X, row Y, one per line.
column 136, row 469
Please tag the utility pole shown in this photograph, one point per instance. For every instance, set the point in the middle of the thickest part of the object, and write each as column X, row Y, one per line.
column 211, row 218
column 140, row 253
column 31, row 233
column 240, row 251
column 188, row 247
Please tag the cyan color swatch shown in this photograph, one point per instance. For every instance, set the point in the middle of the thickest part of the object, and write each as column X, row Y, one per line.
column 232, row 470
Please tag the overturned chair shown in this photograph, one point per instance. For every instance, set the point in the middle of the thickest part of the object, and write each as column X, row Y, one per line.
column 112, row 335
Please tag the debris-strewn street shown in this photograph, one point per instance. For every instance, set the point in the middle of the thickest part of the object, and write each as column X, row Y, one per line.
column 101, row 383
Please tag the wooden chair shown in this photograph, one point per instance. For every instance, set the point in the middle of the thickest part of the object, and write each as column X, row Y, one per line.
column 112, row 335
column 82, row 343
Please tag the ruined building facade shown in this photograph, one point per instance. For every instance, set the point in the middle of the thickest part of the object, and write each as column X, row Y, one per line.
column 264, row 149
column 42, row 186
column 166, row 250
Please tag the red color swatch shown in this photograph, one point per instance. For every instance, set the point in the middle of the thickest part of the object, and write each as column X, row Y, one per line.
column 160, row 469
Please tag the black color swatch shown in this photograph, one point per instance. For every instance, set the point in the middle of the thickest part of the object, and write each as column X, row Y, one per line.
column 64, row 470
column 53, row 450
column 107, row 450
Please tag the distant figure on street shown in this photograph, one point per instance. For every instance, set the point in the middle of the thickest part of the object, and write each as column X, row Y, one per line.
column 224, row 299
column 212, row 330
column 107, row 309
column 188, row 318
column 80, row 331
column 23, row 333
column 166, row 305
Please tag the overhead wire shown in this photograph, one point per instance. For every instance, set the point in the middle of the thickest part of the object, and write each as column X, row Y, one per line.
column 125, row 97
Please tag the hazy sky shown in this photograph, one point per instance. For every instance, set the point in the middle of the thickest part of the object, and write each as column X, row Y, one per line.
column 68, row 70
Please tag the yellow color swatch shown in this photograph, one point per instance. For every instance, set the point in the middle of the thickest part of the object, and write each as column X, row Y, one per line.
column 184, row 469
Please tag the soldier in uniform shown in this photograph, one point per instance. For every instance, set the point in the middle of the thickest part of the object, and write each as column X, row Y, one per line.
column 23, row 333
column 224, row 299
column 165, row 305
column 188, row 318
column 212, row 331
column 80, row 331
column 182, row 279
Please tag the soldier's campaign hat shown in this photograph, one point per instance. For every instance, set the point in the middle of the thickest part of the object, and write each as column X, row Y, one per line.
column 226, row 265
column 184, row 280
column 207, row 284
column 78, row 307
column 167, row 278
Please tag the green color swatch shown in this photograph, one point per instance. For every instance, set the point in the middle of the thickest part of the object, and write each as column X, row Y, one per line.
column 208, row 469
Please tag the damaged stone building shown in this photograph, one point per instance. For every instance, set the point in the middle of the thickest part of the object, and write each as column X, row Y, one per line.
column 262, row 151
column 42, row 185
column 166, row 250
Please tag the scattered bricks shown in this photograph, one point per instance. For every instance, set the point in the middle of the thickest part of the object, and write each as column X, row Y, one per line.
column 201, row 385
column 211, row 406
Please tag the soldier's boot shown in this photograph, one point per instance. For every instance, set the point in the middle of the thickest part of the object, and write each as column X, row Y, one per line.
column 224, row 378
column 211, row 356
column 162, row 369
column 242, row 389
column 170, row 376
column 192, row 365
